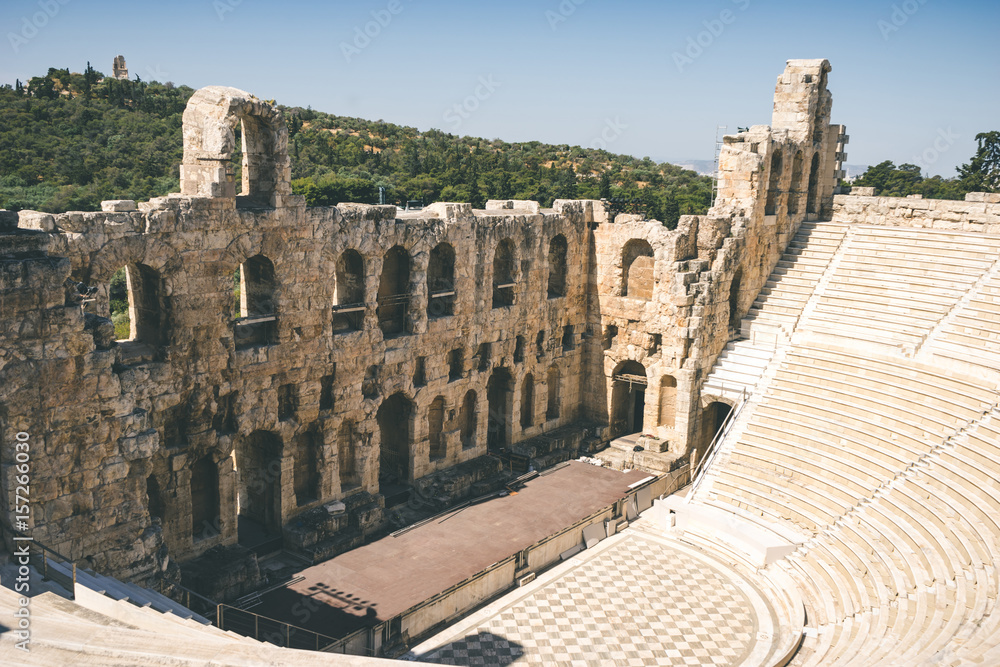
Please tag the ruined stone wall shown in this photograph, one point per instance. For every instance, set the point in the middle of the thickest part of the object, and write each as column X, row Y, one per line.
column 199, row 395
column 708, row 272
column 365, row 345
column 980, row 212
column 86, row 491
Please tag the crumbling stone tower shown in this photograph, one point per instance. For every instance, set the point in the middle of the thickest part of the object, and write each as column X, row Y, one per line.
column 118, row 67
column 667, row 302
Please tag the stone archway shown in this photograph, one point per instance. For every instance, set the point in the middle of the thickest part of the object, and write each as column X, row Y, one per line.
column 499, row 396
column 210, row 120
column 258, row 471
column 628, row 398
column 713, row 417
column 394, row 417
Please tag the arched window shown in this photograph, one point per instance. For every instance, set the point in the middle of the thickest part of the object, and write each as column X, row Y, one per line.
column 467, row 418
column 441, row 282
column 637, row 270
column 205, row 518
column 557, row 267
column 137, row 307
column 258, row 312
column 212, row 119
column 774, row 184
column 795, row 187
column 812, row 202
column 527, row 402
column 349, row 307
column 435, row 426
column 394, row 292
column 504, row 274
column 668, row 401
column 552, row 381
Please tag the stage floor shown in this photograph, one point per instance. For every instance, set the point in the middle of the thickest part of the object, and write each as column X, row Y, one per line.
column 635, row 600
column 379, row 581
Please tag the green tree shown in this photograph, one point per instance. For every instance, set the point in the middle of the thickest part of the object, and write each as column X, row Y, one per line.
column 604, row 190
column 982, row 173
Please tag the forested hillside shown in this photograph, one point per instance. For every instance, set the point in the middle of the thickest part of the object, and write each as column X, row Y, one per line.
column 69, row 141
column 980, row 174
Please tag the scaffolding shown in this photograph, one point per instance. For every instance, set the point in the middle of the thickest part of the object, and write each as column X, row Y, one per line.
column 718, row 151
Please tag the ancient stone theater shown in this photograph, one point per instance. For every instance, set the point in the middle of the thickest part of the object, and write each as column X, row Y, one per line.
column 778, row 424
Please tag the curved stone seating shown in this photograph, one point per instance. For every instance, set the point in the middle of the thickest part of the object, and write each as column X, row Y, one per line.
column 887, row 459
column 894, row 286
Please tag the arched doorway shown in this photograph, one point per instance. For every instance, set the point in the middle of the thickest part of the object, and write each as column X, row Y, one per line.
column 394, row 416
column 712, row 419
column 258, row 501
column 205, row 517
column 628, row 399
column 498, row 395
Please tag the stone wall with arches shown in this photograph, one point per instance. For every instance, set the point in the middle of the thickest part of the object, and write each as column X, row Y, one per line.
column 285, row 358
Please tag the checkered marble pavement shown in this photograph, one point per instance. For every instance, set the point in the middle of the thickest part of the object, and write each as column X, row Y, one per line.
column 637, row 603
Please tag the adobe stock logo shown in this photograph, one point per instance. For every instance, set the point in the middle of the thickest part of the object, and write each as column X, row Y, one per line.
column 612, row 131
column 31, row 25
column 461, row 111
column 946, row 138
column 702, row 41
column 370, row 31
column 565, row 9
column 899, row 17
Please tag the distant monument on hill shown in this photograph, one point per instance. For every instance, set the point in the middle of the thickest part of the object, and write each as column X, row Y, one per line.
column 119, row 67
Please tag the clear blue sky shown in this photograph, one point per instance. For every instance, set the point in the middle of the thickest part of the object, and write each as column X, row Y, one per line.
column 561, row 71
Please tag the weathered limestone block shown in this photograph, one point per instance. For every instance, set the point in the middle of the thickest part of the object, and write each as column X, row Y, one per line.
column 449, row 211
column 118, row 205
column 532, row 207
column 37, row 220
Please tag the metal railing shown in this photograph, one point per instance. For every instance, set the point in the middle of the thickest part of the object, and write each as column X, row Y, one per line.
column 196, row 602
column 701, row 466
column 41, row 556
column 272, row 631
